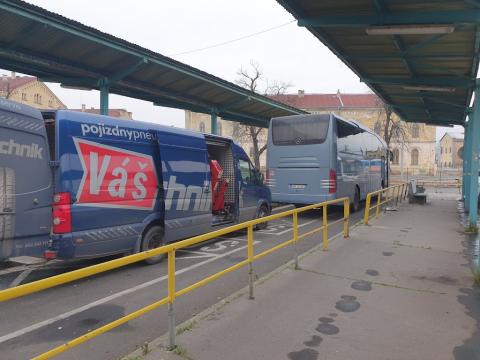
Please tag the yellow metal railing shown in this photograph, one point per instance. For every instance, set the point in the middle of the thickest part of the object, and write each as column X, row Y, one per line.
column 170, row 250
column 391, row 195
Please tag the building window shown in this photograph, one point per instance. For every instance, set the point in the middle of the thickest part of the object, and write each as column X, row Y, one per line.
column 414, row 157
column 202, row 126
column 415, row 130
column 251, row 152
column 24, row 97
column 441, row 150
column 395, row 159
column 219, row 128
column 37, row 98
column 377, row 127
column 50, row 103
column 450, row 150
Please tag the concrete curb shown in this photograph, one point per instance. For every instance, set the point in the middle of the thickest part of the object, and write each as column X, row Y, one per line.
column 159, row 343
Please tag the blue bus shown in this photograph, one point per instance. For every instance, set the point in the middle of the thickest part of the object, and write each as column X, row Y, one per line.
column 76, row 185
column 314, row 158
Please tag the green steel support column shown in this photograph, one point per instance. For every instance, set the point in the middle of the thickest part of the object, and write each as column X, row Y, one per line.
column 104, row 99
column 466, row 151
column 213, row 123
column 474, row 162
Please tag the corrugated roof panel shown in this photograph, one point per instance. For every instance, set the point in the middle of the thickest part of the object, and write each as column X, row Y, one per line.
column 41, row 43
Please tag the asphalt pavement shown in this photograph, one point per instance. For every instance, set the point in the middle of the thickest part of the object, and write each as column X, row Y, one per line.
column 39, row 322
column 399, row 289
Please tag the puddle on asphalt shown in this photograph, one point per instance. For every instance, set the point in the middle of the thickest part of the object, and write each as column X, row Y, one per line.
column 314, row 341
column 387, row 253
column 327, row 329
column 372, row 272
column 325, row 320
column 347, row 304
column 361, row 285
column 305, row 354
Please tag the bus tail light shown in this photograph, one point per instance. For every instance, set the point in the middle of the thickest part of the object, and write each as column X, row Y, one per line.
column 270, row 177
column 332, row 188
column 62, row 214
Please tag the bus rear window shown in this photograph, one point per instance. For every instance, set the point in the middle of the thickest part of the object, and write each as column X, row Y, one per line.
column 300, row 130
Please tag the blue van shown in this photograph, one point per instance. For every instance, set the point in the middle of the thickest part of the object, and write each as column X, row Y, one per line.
column 77, row 185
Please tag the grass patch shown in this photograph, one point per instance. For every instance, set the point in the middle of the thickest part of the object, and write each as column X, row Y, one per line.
column 471, row 229
column 476, row 275
column 181, row 351
column 138, row 357
column 186, row 327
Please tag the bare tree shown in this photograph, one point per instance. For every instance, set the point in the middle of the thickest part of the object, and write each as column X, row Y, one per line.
column 390, row 128
column 251, row 79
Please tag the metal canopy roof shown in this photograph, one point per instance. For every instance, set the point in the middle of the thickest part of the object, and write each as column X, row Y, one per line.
column 56, row 49
column 426, row 78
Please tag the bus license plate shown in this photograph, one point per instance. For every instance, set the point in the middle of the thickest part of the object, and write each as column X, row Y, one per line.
column 297, row 186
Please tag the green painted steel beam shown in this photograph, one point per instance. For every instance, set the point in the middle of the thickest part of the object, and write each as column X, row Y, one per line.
column 213, row 122
column 414, row 56
column 82, row 32
column 447, row 81
column 399, row 18
column 235, row 103
column 104, row 93
column 444, row 107
column 129, row 71
column 475, row 3
column 474, row 163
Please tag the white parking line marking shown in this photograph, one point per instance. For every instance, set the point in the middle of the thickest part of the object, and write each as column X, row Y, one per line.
column 285, row 231
column 104, row 300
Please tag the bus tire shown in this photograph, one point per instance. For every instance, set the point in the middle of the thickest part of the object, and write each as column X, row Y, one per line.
column 152, row 239
column 7, row 205
column 355, row 205
column 262, row 212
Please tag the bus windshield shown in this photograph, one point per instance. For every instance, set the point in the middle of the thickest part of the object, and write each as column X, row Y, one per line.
column 299, row 131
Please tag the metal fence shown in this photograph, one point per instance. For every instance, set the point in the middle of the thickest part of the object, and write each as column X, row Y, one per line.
column 170, row 250
column 391, row 195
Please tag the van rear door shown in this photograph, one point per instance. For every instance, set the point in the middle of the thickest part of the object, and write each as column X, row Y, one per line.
column 25, row 182
column 186, row 184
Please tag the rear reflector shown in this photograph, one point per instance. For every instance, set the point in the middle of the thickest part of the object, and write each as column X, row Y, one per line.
column 62, row 215
column 332, row 188
column 49, row 254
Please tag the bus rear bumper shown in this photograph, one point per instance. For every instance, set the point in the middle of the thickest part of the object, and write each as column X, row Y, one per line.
column 306, row 199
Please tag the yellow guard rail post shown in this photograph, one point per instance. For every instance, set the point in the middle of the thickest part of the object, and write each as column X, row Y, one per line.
column 393, row 194
column 170, row 250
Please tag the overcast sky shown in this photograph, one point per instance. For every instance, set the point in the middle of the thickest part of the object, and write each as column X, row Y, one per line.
column 288, row 53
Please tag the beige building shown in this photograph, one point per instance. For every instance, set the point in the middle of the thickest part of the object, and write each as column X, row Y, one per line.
column 30, row 91
column 416, row 151
column 118, row 113
column 451, row 150
column 201, row 122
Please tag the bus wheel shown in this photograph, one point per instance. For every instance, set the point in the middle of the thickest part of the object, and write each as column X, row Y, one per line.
column 355, row 205
column 152, row 239
column 262, row 212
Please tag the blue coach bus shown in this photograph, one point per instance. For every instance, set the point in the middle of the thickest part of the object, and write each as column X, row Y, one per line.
column 314, row 158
